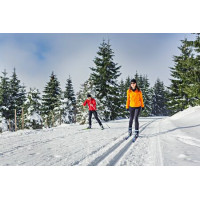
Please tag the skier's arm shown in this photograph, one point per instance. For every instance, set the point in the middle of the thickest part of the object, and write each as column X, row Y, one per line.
column 94, row 103
column 84, row 104
column 141, row 99
column 128, row 100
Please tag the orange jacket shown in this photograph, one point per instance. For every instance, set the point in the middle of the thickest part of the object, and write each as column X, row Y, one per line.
column 134, row 99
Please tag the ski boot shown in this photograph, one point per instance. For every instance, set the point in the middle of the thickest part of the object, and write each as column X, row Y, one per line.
column 89, row 127
column 102, row 127
column 136, row 134
column 130, row 131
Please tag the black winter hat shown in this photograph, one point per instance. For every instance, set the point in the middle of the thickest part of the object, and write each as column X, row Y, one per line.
column 133, row 81
column 89, row 95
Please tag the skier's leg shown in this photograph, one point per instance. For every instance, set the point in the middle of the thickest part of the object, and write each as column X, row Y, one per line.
column 132, row 111
column 90, row 117
column 96, row 117
column 137, row 113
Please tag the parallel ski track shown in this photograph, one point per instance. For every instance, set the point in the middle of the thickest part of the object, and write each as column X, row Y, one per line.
column 98, row 159
column 116, row 148
column 112, row 149
column 93, row 152
column 77, row 152
column 33, row 143
column 103, row 147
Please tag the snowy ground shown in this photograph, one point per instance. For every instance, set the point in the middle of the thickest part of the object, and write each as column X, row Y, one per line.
column 163, row 141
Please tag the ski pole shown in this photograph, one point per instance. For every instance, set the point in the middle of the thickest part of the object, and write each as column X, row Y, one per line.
column 104, row 123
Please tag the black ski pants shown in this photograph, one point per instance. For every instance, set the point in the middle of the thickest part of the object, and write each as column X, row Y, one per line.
column 94, row 112
column 134, row 112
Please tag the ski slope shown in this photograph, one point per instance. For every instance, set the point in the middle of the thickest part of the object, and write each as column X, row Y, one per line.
column 163, row 141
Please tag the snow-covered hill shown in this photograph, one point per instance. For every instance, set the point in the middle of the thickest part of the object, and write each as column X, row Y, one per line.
column 163, row 141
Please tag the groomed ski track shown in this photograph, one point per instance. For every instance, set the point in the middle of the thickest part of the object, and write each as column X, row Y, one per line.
column 71, row 145
column 110, row 155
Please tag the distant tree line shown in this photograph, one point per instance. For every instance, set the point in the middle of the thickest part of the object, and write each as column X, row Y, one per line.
column 53, row 108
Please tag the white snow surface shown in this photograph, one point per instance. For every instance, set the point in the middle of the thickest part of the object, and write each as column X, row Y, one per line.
column 35, row 116
column 163, row 141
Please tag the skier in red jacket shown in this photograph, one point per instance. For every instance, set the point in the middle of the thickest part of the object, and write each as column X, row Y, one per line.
column 92, row 110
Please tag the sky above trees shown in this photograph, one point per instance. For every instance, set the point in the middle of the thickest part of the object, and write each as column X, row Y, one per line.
column 35, row 56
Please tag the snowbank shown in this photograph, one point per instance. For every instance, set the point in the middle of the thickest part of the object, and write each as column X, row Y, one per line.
column 192, row 113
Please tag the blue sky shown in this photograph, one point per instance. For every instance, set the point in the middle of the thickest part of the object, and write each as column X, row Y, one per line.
column 35, row 56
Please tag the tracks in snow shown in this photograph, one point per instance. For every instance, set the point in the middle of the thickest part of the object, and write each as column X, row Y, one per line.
column 110, row 154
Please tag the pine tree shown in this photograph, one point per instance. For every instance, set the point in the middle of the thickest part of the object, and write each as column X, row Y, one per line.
column 64, row 109
column 127, row 83
column 17, row 98
column 159, row 99
column 179, row 99
column 147, row 95
column 192, row 75
column 32, row 110
column 3, row 124
column 69, row 103
column 51, row 101
column 4, row 95
column 104, row 76
column 123, row 93
column 138, row 78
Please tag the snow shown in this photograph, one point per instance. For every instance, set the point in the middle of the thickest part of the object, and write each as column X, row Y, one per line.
column 35, row 117
column 3, row 125
column 4, row 108
column 163, row 141
column 188, row 113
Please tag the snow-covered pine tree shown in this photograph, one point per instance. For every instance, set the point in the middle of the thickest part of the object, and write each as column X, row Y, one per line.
column 104, row 75
column 4, row 95
column 192, row 75
column 32, row 110
column 17, row 98
column 3, row 124
column 147, row 95
column 159, row 99
column 178, row 98
column 123, row 93
column 69, row 113
column 127, row 83
column 64, row 107
column 51, row 101
column 137, row 77
column 23, row 100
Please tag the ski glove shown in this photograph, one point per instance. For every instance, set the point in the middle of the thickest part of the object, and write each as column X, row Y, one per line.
column 142, row 108
column 127, row 109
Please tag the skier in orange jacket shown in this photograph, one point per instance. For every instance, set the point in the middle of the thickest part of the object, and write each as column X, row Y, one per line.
column 134, row 104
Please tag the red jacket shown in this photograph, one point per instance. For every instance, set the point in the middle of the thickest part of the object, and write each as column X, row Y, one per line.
column 91, row 104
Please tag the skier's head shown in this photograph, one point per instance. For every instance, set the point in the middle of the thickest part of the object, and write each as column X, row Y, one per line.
column 89, row 96
column 134, row 85
column 133, row 81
